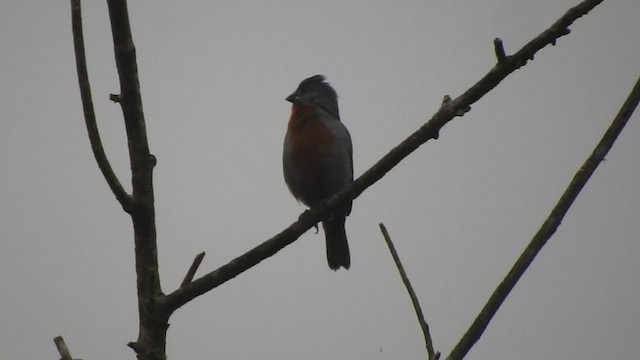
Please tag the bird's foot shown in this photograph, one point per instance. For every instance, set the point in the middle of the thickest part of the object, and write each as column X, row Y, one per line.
column 304, row 217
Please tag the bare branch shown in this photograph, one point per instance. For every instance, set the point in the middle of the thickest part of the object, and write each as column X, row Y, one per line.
column 499, row 50
column 430, row 130
column 151, row 342
column 130, row 99
column 226, row 272
column 412, row 294
column 62, row 348
column 142, row 162
column 548, row 228
column 89, row 114
column 192, row 270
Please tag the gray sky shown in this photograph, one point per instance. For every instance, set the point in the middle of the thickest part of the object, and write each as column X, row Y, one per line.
column 214, row 77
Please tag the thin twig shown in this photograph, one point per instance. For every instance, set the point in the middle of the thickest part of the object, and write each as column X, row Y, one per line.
column 549, row 227
column 192, row 270
column 63, row 350
column 430, row 130
column 89, row 114
column 412, row 294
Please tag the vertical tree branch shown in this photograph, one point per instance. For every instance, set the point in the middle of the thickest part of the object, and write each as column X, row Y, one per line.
column 89, row 113
column 151, row 343
column 432, row 355
column 548, row 228
column 499, row 50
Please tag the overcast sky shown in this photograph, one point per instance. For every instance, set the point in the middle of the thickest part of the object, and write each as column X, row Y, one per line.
column 214, row 76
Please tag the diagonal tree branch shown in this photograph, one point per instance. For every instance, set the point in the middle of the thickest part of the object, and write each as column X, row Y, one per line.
column 432, row 355
column 193, row 268
column 430, row 130
column 89, row 114
column 63, row 350
column 548, row 228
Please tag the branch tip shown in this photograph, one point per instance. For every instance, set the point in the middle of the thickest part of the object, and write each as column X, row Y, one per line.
column 412, row 294
column 192, row 269
column 499, row 50
column 63, row 350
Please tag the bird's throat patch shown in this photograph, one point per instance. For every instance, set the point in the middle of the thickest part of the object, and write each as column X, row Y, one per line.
column 307, row 133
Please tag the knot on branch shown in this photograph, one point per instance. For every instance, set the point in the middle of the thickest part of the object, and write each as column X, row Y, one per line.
column 134, row 345
column 561, row 32
column 446, row 101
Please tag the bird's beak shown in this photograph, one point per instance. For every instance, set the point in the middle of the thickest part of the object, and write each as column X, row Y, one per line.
column 292, row 98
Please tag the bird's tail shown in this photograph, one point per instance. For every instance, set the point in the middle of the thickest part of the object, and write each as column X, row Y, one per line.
column 337, row 245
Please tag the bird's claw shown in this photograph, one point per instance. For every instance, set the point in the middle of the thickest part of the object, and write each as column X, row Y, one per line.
column 304, row 217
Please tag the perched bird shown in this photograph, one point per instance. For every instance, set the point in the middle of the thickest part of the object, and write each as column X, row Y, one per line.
column 318, row 159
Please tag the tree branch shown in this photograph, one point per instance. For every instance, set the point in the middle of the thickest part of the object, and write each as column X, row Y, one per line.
column 412, row 294
column 192, row 270
column 63, row 350
column 151, row 342
column 430, row 130
column 548, row 228
column 186, row 293
column 89, row 114
column 499, row 50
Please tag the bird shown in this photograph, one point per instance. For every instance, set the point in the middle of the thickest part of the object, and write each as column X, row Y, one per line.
column 318, row 159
